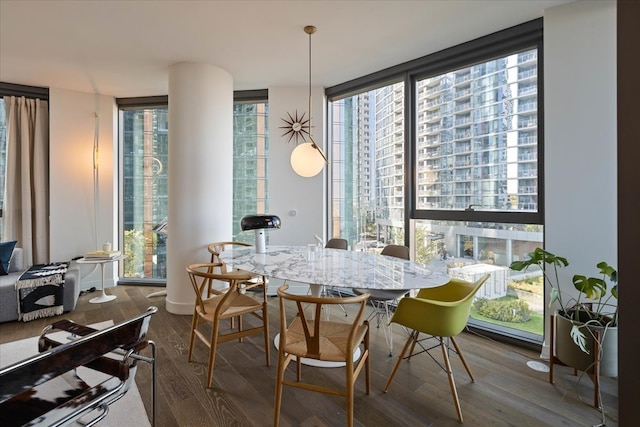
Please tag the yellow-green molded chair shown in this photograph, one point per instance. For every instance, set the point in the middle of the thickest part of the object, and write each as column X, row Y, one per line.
column 441, row 313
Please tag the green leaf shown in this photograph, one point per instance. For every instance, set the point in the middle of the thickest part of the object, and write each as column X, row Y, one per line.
column 519, row 265
column 579, row 338
column 553, row 297
column 608, row 271
column 592, row 287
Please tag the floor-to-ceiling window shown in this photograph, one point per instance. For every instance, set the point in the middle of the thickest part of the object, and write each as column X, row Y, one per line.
column 144, row 131
column 444, row 154
column 476, row 156
column 367, row 167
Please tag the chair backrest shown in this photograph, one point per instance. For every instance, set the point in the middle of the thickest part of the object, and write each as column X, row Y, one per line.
column 202, row 274
column 313, row 326
column 129, row 335
column 217, row 247
column 398, row 251
column 441, row 311
column 336, row 243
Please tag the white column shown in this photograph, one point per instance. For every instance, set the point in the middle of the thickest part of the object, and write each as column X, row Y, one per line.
column 201, row 172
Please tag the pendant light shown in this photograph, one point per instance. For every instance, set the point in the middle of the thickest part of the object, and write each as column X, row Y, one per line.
column 307, row 159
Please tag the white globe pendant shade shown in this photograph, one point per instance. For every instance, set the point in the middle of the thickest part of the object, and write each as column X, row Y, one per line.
column 306, row 160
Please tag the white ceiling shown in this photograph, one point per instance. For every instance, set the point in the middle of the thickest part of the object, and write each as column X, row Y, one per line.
column 125, row 47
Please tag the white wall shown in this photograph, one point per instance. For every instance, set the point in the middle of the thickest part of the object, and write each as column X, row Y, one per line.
column 72, row 219
column 287, row 190
column 580, row 136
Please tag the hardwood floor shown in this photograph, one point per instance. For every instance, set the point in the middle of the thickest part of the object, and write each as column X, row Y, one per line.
column 506, row 392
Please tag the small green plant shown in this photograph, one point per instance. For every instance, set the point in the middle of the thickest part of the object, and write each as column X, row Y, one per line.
column 590, row 308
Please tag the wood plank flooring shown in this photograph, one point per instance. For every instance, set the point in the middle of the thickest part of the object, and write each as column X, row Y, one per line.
column 506, row 392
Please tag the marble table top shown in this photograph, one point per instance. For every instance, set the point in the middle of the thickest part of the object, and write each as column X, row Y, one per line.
column 336, row 267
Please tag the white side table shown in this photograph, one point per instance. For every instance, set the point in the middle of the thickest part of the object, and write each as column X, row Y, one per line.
column 104, row 297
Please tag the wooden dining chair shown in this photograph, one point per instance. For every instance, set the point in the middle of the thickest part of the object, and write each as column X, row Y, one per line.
column 323, row 340
column 216, row 248
column 440, row 313
column 228, row 305
column 381, row 299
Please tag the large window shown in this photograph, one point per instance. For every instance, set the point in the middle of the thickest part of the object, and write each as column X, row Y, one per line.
column 443, row 154
column 367, row 167
column 144, row 133
column 145, row 148
column 476, row 152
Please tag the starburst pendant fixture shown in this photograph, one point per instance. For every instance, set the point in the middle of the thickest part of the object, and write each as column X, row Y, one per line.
column 297, row 127
column 307, row 159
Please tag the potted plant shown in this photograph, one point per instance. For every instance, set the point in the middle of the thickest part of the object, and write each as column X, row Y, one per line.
column 579, row 321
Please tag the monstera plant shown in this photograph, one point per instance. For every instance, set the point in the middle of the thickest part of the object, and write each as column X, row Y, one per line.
column 593, row 305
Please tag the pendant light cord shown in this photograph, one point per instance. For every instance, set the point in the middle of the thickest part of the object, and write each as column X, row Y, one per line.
column 310, row 29
column 310, row 32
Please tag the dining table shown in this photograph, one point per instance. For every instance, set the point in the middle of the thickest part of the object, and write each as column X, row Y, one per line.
column 336, row 268
column 322, row 268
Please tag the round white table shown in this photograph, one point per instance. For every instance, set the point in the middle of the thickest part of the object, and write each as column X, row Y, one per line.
column 337, row 267
column 104, row 297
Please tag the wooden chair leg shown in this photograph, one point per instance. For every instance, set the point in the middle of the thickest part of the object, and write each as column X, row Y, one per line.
column 462, row 359
column 452, row 382
column 194, row 326
column 413, row 344
column 282, row 366
column 349, row 393
column 213, row 344
column 265, row 331
column 410, row 341
column 367, row 364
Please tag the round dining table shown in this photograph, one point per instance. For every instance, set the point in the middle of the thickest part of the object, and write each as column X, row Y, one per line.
column 336, row 267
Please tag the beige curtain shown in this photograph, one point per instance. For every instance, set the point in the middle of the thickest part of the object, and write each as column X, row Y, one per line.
column 26, row 205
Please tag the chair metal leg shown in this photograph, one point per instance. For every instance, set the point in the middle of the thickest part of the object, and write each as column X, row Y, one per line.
column 154, row 383
column 388, row 332
column 380, row 310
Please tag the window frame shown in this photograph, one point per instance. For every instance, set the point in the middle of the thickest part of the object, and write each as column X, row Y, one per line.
column 501, row 43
